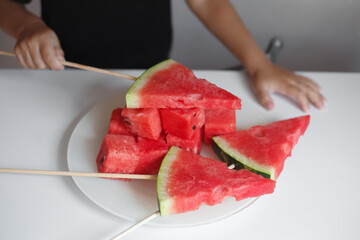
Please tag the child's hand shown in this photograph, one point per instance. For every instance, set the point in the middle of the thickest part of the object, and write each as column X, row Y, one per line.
column 274, row 79
column 38, row 47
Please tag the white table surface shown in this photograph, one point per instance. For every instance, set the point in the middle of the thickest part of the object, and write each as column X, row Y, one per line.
column 317, row 196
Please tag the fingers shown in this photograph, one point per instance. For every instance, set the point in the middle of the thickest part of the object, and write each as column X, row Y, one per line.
column 297, row 94
column 23, row 58
column 35, row 58
column 29, row 55
column 263, row 95
column 59, row 53
column 274, row 79
column 317, row 99
column 305, row 91
column 20, row 59
column 309, row 82
column 312, row 91
column 38, row 48
column 52, row 56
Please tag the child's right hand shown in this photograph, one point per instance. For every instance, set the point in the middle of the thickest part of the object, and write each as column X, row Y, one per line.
column 38, row 47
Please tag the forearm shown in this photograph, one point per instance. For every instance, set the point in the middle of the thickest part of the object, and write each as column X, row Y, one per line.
column 221, row 19
column 14, row 18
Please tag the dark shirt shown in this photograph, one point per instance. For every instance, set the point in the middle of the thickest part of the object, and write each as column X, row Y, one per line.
column 111, row 33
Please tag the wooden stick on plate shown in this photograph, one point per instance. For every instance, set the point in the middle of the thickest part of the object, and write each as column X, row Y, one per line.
column 84, row 67
column 78, row 174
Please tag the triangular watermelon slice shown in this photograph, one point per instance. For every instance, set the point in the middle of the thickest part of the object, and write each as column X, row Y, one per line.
column 171, row 85
column 186, row 180
column 261, row 149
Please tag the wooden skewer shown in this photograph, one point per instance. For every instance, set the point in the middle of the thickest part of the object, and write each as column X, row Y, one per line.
column 84, row 67
column 7, row 53
column 94, row 69
column 138, row 224
column 83, row 174
column 78, row 174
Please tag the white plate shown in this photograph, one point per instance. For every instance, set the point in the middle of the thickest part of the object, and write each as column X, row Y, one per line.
column 136, row 199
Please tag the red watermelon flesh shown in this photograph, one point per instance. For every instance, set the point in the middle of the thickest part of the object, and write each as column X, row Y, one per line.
column 262, row 149
column 151, row 154
column 192, row 145
column 143, row 122
column 182, row 123
column 187, row 180
column 172, row 85
column 117, row 124
column 123, row 154
column 218, row 122
column 118, row 154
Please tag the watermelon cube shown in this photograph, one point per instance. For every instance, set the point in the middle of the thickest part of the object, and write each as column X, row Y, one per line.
column 123, row 154
column 151, row 155
column 143, row 122
column 218, row 122
column 117, row 123
column 182, row 123
column 118, row 154
column 192, row 145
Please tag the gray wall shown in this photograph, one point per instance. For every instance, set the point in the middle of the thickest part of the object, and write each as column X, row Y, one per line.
column 319, row 35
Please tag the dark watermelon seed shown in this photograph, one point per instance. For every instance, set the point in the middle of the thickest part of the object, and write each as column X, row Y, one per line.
column 127, row 122
column 194, row 127
column 102, row 160
column 195, row 115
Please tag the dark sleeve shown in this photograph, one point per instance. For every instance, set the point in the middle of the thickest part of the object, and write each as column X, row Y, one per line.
column 22, row 1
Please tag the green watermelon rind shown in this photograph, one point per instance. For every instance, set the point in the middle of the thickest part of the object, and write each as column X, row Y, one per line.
column 248, row 163
column 132, row 96
column 166, row 203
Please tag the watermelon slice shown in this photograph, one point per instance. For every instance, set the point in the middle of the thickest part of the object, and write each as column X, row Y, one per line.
column 192, row 145
column 187, row 180
column 261, row 149
column 143, row 122
column 117, row 124
column 218, row 122
column 171, row 85
column 182, row 123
